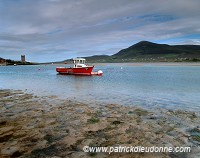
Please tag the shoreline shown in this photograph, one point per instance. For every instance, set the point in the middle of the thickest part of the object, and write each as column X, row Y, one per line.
column 153, row 64
column 122, row 64
column 33, row 126
column 138, row 64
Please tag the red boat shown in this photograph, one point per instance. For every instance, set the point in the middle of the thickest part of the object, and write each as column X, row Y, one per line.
column 79, row 68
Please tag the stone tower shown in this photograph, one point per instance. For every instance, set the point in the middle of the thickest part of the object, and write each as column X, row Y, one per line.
column 23, row 59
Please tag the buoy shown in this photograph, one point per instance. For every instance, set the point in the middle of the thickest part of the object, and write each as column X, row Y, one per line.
column 38, row 68
column 99, row 72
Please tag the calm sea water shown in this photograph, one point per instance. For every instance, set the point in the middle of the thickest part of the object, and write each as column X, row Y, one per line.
column 149, row 86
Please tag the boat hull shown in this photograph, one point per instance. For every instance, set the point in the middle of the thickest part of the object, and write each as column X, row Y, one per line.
column 85, row 71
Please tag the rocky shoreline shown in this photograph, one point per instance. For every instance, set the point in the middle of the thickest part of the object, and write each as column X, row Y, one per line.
column 34, row 127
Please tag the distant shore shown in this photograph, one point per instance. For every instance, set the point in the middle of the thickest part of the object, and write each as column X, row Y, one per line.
column 32, row 127
column 135, row 64
column 154, row 64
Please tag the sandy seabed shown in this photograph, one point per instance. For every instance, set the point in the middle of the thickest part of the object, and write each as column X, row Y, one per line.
column 49, row 127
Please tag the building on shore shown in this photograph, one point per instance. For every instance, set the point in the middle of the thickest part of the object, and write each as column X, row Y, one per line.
column 23, row 59
column 2, row 62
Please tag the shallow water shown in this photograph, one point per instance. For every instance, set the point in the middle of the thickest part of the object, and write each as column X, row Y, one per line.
column 147, row 85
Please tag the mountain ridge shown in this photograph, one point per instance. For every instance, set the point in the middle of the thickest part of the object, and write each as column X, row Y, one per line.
column 149, row 51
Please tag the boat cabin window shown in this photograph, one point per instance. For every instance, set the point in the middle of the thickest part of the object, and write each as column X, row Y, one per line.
column 78, row 65
column 79, row 61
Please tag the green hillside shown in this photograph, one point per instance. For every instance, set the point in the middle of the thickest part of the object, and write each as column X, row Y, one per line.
column 145, row 51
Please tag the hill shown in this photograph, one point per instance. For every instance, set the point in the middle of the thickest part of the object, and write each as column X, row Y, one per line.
column 91, row 59
column 147, row 51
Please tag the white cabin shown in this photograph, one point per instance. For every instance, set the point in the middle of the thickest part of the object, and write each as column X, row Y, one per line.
column 79, row 62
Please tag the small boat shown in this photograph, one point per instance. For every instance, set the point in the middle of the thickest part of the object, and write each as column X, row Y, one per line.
column 79, row 68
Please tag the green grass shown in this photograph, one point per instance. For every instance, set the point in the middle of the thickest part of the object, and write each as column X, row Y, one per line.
column 93, row 120
column 130, row 112
column 141, row 112
column 196, row 138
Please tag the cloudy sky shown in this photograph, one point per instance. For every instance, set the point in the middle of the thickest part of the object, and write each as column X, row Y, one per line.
column 54, row 30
